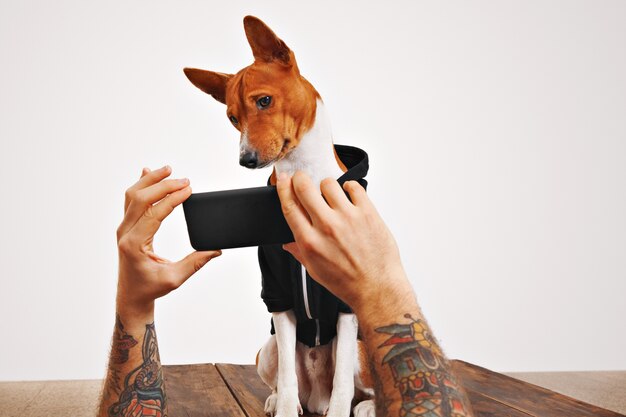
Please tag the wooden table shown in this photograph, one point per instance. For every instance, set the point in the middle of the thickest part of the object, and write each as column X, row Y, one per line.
column 226, row 390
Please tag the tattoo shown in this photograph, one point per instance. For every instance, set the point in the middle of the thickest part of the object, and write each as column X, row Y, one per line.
column 382, row 402
column 144, row 393
column 421, row 373
column 122, row 343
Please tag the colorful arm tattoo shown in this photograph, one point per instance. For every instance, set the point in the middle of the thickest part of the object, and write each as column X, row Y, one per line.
column 143, row 393
column 420, row 373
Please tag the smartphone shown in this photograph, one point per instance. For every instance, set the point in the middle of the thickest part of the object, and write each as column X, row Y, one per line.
column 236, row 219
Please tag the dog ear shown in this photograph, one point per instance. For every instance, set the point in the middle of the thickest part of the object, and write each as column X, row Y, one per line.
column 213, row 83
column 266, row 46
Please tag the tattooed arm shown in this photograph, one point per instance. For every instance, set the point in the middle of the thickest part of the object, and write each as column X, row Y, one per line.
column 412, row 376
column 345, row 245
column 134, row 382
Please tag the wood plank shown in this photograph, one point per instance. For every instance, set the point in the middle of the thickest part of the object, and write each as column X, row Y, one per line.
column 488, row 407
column 198, row 391
column 192, row 389
column 606, row 389
column 252, row 392
column 522, row 396
column 247, row 386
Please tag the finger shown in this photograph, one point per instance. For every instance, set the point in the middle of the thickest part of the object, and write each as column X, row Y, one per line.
column 357, row 194
column 294, row 250
column 144, row 171
column 144, row 199
column 156, row 192
column 310, row 198
column 296, row 217
column 334, row 195
column 147, row 178
column 191, row 264
column 150, row 221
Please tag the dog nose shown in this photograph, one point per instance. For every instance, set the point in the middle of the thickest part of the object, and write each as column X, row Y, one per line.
column 249, row 160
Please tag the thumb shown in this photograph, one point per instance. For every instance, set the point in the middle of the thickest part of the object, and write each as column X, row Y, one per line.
column 193, row 262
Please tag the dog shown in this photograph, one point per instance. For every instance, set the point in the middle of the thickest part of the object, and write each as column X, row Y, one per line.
column 313, row 357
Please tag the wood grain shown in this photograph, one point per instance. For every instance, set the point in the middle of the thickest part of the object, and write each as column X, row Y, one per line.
column 606, row 389
column 523, row 397
column 488, row 407
column 198, row 391
column 236, row 390
column 252, row 392
column 246, row 385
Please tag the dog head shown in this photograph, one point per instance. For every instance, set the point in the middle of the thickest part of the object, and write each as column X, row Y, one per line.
column 269, row 102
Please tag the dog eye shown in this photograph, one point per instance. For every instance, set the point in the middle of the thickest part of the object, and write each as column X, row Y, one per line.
column 233, row 120
column 263, row 102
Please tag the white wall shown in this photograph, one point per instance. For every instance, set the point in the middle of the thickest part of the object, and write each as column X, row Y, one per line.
column 497, row 137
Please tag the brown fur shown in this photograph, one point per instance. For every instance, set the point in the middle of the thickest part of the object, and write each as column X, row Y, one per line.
column 364, row 368
column 278, row 129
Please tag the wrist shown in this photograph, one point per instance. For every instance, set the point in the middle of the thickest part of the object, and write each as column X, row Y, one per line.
column 134, row 310
column 390, row 295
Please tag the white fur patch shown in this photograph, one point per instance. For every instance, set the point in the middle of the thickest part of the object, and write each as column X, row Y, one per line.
column 315, row 153
column 365, row 408
column 345, row 352
column 244, row 143
column 287, row 402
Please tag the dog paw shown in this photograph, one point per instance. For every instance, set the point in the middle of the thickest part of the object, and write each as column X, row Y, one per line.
column 365, row 408
column 270, row 404
column 285, row 405
column 334, row 412
column 340, row 402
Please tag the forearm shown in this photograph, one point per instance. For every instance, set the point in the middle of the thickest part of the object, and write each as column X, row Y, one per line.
column 409, row 370
column 134, row 383
column 134, row 378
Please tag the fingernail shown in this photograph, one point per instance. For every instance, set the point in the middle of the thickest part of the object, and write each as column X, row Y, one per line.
column 165, row 167
column 282, row 176
column 183, row 180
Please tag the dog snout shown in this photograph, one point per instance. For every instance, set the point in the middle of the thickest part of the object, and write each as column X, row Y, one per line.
column 249, row 160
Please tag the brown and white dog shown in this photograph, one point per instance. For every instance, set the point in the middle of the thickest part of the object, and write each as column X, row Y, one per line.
column 283, row 122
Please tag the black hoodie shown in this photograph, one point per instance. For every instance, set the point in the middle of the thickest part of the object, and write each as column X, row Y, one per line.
column 286, row 284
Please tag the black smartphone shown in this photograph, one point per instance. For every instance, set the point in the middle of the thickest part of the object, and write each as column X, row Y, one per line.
column 235, row 219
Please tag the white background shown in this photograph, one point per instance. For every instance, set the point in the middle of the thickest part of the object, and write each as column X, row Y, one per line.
column 496, row 132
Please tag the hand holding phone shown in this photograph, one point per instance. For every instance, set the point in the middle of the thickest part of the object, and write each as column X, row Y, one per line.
column 253, row 216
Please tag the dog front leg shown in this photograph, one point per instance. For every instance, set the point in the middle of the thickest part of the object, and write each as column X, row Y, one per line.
column 345, row 354
column 287, row 403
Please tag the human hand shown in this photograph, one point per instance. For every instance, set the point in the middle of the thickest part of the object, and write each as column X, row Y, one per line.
column 143, row 275
column 344, row 245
